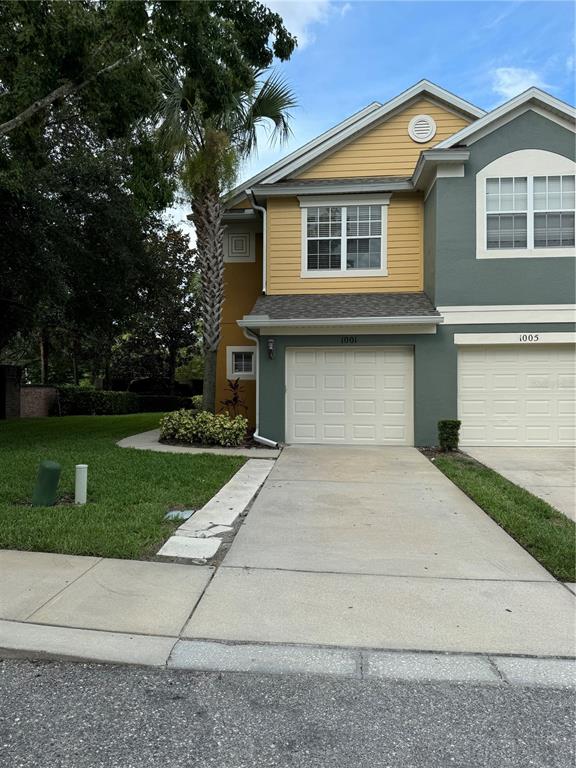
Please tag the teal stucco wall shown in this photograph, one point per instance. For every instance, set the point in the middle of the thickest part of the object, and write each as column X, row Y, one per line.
column 435, row 373
column 453, row 274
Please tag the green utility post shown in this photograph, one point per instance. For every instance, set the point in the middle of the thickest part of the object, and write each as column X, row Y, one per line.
column 46, row 484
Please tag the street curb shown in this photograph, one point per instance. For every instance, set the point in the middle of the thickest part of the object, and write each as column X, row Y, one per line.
column 36, row 641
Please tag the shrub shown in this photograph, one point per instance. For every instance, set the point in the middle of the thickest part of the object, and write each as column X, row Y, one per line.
column 449, row 434
column 197, row 401
column 80, row 401
column 205, row 428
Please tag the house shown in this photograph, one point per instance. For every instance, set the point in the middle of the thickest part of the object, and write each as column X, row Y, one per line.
column 414, row 263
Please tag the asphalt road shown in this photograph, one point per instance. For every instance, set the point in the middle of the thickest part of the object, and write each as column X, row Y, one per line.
column 86, row 716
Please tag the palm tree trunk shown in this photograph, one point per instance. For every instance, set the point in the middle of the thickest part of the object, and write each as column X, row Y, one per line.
column 207, row 217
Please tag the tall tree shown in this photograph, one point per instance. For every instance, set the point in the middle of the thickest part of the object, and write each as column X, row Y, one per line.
column 82, row 71
column 208, row 147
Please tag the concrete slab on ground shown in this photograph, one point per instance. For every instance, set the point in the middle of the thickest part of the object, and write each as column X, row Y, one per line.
column 426, row 527
column 533, row 618
column 128, row 596
column 35, row 641
column 352, row 464
column 549, row 473
column 429, row 666
column 30, row 579
column 149, row 441
column 558, row 673
column 276, row 659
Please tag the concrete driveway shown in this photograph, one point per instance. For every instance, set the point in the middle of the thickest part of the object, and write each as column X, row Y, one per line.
column 549, row 473
column 374, row 547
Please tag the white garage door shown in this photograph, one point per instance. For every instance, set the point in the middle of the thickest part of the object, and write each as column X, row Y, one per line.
column 349, row 396
column 513, row 395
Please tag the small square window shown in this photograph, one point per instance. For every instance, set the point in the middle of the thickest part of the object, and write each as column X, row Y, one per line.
column 240, row 363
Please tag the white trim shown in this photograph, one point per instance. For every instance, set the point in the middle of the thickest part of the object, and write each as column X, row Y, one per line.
column 349, row 330
column 547, row 101
column 231, row 373
column 250, row 240
column 262, row 321
column 340, row 132
column 312, row 202
column 432, row 128
column 528, row 163
column 237, row 193
column 523, row 338
column 516, row 313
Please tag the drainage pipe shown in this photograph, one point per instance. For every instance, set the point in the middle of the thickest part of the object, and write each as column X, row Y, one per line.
column 259, row 439
column 263, row 211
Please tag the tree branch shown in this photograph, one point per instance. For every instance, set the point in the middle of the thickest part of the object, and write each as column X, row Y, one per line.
column 58, row 93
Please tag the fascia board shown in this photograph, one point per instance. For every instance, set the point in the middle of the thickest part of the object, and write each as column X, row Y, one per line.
column 532, row 94
column 259, row 321
column 238, row 192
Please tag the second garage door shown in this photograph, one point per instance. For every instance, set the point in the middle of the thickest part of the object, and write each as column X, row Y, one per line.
column 515, row 395
column 349, row 396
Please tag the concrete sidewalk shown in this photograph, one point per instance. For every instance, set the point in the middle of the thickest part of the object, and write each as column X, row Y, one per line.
column 374, row 547
column 549, row 473
column 359, row 562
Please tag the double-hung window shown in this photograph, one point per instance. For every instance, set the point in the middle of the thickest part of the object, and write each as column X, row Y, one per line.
column 240, row 363
column 525, row 206
column 530, row 212
column 344, row 240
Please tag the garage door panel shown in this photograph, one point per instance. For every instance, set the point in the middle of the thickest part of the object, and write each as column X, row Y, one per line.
column 523, row 397
column 361, row 396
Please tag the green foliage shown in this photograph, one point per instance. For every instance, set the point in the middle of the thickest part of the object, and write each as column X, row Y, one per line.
column 190, row 371
column 77, row 401
column 449, row 434
column 129, row 492
column 203, row 428
column 547, row 534
column 197, row 401
column 162, row 403
column 234, row 403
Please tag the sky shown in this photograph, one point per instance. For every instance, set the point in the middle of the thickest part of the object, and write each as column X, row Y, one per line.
column 353, row 52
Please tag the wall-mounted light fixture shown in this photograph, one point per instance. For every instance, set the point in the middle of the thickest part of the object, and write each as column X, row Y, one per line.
column 271, row 348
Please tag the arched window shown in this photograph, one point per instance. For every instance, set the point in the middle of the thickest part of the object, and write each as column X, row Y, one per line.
column 525, row 206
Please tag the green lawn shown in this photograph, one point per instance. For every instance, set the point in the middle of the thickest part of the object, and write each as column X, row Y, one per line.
column 129, row 491
column 547, row 534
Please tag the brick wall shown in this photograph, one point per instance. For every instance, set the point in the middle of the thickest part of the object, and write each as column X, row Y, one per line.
column 36, row 401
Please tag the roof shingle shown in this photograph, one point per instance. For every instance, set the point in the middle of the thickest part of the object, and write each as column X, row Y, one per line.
column 344, row 305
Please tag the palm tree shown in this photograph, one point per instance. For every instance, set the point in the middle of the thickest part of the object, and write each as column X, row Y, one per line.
column 208, row 150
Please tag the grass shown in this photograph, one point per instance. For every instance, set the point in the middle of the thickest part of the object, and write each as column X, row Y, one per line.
column 548, row 535
column 129, row 491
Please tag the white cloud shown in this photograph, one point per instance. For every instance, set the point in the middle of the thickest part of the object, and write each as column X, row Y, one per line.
column 300, row 16
column 510, row 81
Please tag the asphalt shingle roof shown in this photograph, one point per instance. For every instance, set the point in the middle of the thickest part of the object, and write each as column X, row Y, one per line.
column 344, row 305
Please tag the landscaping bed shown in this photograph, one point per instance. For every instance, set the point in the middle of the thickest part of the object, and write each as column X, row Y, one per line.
column 129, row 491
column 547, row 534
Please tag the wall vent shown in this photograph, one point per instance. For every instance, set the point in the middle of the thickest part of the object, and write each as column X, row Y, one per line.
column 422, row 128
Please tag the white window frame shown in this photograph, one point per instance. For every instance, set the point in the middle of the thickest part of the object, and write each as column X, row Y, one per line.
column 526, row 163
column 344, row 203
column 245, row 375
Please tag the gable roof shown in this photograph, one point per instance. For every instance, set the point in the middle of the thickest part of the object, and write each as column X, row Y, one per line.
column 360, row 121
column 533, row 97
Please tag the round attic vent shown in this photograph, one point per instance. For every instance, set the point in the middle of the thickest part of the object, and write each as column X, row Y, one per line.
column 422, row 128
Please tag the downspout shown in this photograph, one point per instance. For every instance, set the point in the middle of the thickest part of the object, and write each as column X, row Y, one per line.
column 259, row 439
column 263, row 211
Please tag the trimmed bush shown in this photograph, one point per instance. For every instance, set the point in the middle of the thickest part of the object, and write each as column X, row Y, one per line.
column 205, row 428
column 197, row 401
column 449, row 434
column 80, row 401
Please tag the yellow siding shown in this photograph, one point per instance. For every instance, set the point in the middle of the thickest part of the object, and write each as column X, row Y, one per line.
column 405, row 251
column 242, row 285
column 386, row 150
